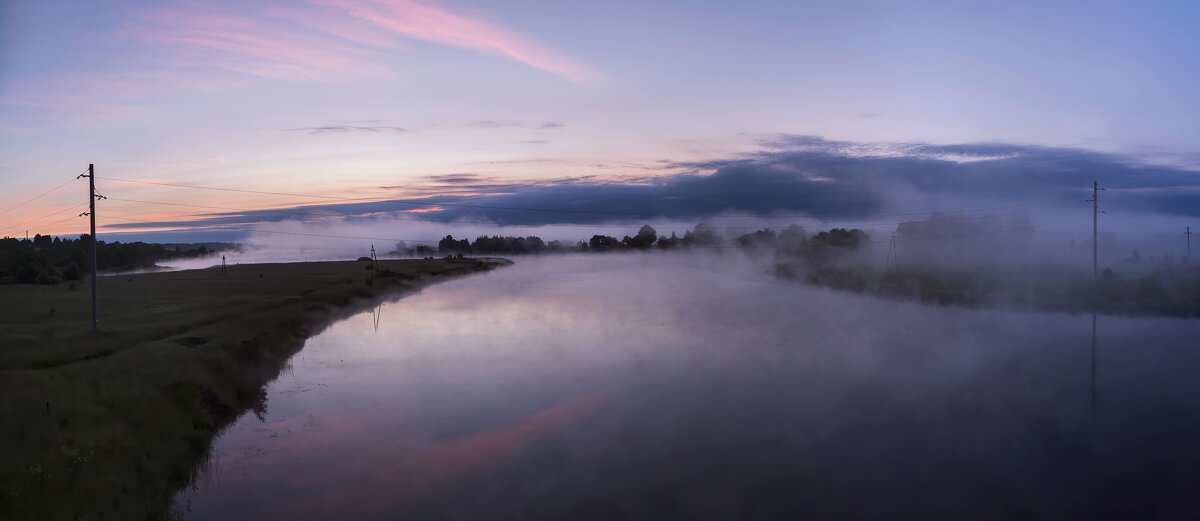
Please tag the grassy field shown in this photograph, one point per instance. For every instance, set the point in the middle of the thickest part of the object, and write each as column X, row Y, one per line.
column 108, row 424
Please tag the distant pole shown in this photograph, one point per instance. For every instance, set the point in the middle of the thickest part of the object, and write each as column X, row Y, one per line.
column 224, row 273
column 1095, row 244
column 374, row 259
column 1188, row 234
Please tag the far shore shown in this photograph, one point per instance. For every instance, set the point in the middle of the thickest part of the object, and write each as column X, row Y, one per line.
column 109, row 424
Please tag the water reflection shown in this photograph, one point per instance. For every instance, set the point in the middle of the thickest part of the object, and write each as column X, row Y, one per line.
column 1093, row 362
column 622, row 387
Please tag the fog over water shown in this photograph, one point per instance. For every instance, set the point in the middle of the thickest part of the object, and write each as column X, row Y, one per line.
column 694, row 386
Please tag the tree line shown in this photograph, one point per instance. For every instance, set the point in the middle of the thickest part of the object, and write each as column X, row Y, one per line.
column 793, row 239
column 50, row 260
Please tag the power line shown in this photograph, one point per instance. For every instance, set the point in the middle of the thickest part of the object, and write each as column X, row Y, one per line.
column 39, row 196
column 241, row 228
column 994, row 232
column 338, row 236
column 562, row 210
column 539, row 225
column 51, row 214
column 60, row 220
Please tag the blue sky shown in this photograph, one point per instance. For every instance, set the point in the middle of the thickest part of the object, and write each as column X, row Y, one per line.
column 381, row 99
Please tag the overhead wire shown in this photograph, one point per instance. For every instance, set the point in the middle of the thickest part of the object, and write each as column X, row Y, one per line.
column 39, row 196
column 232, row 226
column 244, row 211
column 28, row 222
column 242, row 227
column 239, row 227
column 563, row 210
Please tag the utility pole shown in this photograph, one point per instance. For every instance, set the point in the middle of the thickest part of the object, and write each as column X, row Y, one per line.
column 224, row 273
column 1095, row 212
column 1188, row 234
column 91, row 175
column 374, row 259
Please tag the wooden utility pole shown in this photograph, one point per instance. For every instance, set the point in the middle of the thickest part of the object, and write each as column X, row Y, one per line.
column 1095, row 212
column 1188, row 234
column 91, row 175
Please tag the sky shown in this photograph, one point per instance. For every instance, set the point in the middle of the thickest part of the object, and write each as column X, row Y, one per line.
column 540, row 113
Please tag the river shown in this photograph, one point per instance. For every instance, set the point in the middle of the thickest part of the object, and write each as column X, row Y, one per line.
column 695, row 387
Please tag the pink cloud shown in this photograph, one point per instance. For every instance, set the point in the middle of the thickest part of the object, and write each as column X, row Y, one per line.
column 423, row 22
column 253, row 43
column 328, row 40
column 205, row 48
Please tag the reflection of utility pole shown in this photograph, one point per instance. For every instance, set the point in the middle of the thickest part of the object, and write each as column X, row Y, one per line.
column 1093, row 361
column 92, row 196
column 1095, row 212
column 892, row 261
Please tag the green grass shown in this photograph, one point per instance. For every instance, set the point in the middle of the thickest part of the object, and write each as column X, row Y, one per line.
column 109, row 424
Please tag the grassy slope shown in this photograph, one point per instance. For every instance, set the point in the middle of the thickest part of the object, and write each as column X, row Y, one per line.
column 109, row 424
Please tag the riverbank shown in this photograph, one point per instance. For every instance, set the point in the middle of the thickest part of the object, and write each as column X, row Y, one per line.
column 108, row 424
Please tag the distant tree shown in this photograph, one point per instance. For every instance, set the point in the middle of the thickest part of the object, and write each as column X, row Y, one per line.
column 601, row 243
column 760, row 238
column 701, row 235
column 793, row 236
column 534, row 244
column 669, row 242
column 841, row 238
column 449, row 245
column 644, row 239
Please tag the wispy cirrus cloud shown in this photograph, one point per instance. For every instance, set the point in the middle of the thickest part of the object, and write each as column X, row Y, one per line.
column 425, row 22
column 187, row 47
column 327, row 39
column 253, row 41
column 348, row 128
column 492, row 123
column 376, row 126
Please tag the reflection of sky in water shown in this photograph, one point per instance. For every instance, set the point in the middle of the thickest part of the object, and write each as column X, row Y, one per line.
column 620, row 387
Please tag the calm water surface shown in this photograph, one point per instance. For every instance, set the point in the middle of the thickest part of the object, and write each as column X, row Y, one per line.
column 657, row 386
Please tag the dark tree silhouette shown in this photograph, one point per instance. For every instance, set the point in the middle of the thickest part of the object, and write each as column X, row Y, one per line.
column 449, row 245
column 644, row 239
column 604, row 243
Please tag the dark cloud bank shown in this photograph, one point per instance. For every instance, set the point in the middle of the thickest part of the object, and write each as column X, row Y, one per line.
column 802, row 175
